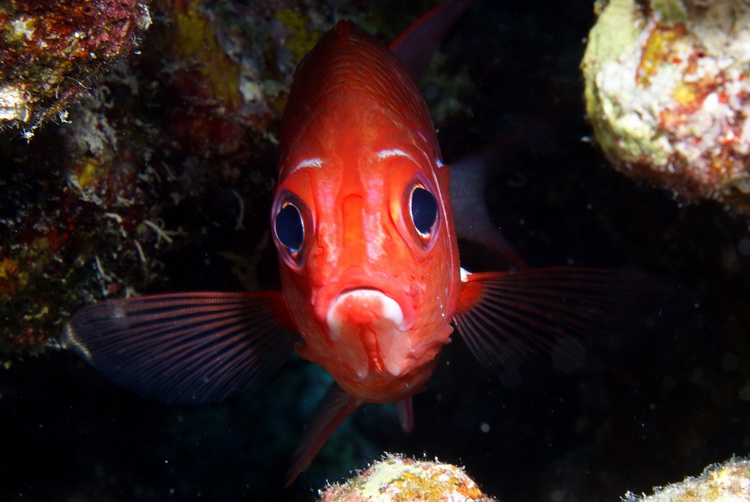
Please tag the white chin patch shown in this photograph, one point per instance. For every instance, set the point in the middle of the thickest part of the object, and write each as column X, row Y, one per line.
column 362, row 306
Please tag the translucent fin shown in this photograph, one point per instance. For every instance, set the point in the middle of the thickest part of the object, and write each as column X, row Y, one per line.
column 333, row 409
column 469, row 177
column 184, row 347
column 415, row 45
column 504, row 316
column 405, row 410
column 472, row 221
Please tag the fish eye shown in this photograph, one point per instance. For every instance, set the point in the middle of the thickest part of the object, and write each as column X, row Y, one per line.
column 417, row 216
column 289, row 227
column 424, row 210
column 292, row 228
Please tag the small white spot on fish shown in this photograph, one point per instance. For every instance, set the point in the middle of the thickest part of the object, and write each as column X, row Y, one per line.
column 464, row 274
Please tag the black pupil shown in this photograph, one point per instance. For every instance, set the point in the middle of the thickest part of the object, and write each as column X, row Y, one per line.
column 424, row 210
column 289, row 228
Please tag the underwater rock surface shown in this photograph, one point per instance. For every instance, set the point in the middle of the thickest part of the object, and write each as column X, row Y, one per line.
column 726, row 482
column 51, row 51
column 396, row 478
column 667, row 94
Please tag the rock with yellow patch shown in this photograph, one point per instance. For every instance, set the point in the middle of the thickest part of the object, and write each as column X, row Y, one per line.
column 398, row 478
column 667, row 92
column 727, row 482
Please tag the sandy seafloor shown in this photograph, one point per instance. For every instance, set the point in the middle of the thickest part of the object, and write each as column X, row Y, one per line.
column 644, row 408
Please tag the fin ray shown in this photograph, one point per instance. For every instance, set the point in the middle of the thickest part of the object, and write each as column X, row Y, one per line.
column 333, row 409
column 415, row 45
column 405, row 410
column 184, row 347
column 505, row 315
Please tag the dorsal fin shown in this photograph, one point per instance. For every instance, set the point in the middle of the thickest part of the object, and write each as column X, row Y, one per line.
column 471, row 218
column 469, row 176
column 415, row 45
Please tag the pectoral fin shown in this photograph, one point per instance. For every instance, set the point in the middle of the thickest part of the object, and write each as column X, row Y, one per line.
column 184, row 347
column 504, row 316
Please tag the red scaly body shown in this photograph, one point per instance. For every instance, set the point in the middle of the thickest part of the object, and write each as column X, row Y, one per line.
column 356, row 139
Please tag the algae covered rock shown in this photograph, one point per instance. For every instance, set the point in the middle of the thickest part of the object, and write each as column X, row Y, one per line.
column 397, row 478
column 50, row 51
column 667, row 94
column 726, row 482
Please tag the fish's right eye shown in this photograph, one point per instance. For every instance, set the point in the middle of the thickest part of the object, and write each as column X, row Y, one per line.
column 290, row 230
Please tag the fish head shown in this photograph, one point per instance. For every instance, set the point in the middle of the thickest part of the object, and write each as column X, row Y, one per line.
column 362, row 222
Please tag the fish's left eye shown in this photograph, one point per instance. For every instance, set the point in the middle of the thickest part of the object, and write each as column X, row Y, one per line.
column 424, row 210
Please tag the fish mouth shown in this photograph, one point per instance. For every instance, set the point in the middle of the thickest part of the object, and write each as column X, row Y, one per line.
column 362, row 306
column 368, row 331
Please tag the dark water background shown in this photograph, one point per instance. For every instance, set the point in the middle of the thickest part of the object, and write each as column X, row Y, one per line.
column 644, row 409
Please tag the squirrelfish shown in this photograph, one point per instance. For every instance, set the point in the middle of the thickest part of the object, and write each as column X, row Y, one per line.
column 372, row 286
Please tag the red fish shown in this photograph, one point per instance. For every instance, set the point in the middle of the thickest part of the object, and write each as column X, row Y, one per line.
column 372, row 287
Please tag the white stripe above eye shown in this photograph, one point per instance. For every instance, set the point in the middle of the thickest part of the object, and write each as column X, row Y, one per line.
column 393, row 152
column 307, row 163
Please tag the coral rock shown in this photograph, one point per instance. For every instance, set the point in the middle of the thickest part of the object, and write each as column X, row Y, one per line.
column 50, row 50
column 727, row 482
column 667, row 94
column 397, row 478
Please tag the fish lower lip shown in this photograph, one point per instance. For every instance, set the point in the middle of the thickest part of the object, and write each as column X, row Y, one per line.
column 361, row 306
